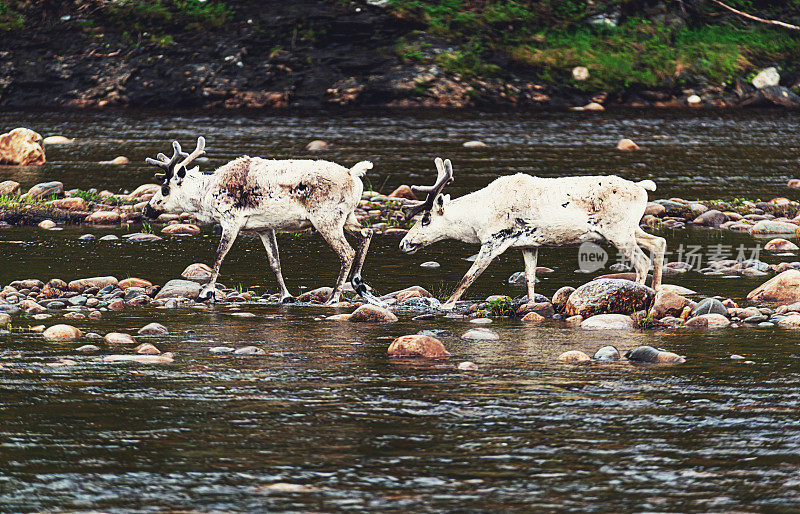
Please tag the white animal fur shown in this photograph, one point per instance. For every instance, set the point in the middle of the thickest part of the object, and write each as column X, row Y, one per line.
column 526, row 212
column 260, row 195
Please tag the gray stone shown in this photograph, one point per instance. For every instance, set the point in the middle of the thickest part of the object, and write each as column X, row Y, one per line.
column 178, row 288
column 709, row 306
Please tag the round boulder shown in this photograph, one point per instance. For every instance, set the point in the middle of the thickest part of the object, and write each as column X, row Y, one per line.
column 62, row 333
column 197, row 271
column 153, row 329
column 607, row 353
column 372, row 314
column 119, row 338
column 418, row 346
column 178, row 288
column 480, row 334
column 608, row 296
column 22, row 147
column 781, row 289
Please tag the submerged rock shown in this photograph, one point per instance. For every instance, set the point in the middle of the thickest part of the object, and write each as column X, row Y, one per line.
column 249, row 350
column 317, row 145
column 147, row 349
column 178, row 288
column 318, row 295
column 627, row 145
column 607, row 353
column 164, row 358
column 119, row 338
column 609, row 296
column 153, row 329
column 654, row 356
column 62, row 333
column 766, row 227
column 608, row 322
column 467, row 366
column 184, row 229
column 712, row 320
column 418, row 346
column 480, row 334
column 372, row 314
column 573, row 357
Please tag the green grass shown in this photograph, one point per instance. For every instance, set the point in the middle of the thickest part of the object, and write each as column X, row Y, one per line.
column 549, row 38
column 161, row 15
column 89, row 196
column 10, row 20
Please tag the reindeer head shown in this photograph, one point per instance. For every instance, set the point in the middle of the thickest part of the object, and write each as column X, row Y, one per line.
column 172, row 197
column 433, row 226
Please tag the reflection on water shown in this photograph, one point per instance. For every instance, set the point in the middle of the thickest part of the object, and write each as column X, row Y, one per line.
column 326, row 414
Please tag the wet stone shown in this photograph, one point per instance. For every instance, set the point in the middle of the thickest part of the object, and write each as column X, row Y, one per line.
column 573, row 357
column 152, row 329
column 222, row 349
column 249, row 350
column 417, row 346
column 609, row 296
column 480, row 334
column 607, row 353
column 709, row 306
column 435, row 333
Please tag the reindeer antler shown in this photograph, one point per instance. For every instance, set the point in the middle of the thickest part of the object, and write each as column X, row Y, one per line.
column 198, row 151
column 169, row 165
column 444, row 177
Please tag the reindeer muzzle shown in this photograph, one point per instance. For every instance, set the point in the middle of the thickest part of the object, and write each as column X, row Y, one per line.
column 151, row 213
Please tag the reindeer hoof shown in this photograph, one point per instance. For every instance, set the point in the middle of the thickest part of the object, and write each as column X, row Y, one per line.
column 288, row 299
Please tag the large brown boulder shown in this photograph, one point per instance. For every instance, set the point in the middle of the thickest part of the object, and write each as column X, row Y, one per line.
column 609, row 296
column 418, row 346
column 84, row 283
column 782, row 289
column 22, row 147
column 403, row 191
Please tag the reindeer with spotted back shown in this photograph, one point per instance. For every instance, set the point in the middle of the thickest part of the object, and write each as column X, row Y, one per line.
column 263, row 196
column 526, row 212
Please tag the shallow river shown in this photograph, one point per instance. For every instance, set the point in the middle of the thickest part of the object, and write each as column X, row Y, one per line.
column 325, row 420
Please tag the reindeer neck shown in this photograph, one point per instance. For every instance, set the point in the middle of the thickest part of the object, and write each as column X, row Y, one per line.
column 466, row 215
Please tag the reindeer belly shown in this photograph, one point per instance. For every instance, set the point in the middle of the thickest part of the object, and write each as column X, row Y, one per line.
column 561, row 231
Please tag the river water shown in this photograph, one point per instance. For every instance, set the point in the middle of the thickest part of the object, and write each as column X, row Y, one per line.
column 325, row 421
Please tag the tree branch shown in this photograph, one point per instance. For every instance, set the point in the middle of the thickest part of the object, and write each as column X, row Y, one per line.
column 756, row 18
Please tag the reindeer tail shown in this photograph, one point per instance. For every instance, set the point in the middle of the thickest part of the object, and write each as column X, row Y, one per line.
column 647, row 184
column 360, row 168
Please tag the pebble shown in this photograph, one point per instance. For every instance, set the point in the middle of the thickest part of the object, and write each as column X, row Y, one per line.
column 47, row 224
column 430, row 264
column 474, row 144
column 109, row 237
column 627, row 145
column 87, row 348
column 737, row 357
column 317, row 145
column 119, row 160
column 221, row 349
column 467, row 366
column 87, row 237
column 372, row 314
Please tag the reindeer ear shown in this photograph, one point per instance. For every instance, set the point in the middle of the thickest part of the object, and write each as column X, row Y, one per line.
column 181, row 172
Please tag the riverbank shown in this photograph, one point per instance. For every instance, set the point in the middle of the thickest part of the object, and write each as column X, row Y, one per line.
column 313, row 54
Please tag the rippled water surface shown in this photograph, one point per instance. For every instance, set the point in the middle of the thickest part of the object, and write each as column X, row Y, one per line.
column 325, row 421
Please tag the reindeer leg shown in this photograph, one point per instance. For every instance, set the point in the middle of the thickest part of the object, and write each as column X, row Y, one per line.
column 364, row 235
column 489, row 251
column 335, row 237
column 271, row 245
column 229, row 232
column 530, row 256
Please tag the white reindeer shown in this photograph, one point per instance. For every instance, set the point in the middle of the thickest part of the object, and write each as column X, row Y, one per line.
column 526, row 212
column 260, row 195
